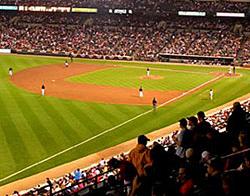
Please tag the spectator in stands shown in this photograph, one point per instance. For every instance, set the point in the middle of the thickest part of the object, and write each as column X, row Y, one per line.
column 205, row 157
column 217, row 143
column 162, row 171
column 77, row 174
column 127, row 171
column 245, row 167
column 16, row 193
column 236, row 122
column 183, row 139
column 141, row 159
column 160, row 159
column 185, row 181
column 203, row 126
column 233, row 183
column 50, row 185
column 114, row 188
column 213, row 183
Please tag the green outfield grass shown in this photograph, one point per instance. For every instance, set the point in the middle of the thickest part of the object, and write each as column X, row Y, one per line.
column 33, row 128
column 132, row 77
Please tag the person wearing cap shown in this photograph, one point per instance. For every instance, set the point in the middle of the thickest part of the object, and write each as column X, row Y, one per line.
column 43, row 89
column 154, row 103
column 211, row 94
column 140, row 91
column 140, row 155
column 205, row 156
column 10, row 71
column 141, row 159
column 148, row 72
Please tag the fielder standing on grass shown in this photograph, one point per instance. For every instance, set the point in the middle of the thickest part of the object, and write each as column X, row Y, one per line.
column 148, row 72
column 10, row 72
column 154, row 103
column 211, row 94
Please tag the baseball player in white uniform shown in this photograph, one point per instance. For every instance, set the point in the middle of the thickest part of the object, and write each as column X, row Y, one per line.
column 140, row 92
column 66, row 64
column 211, row 94
column 230, row 71
column 10, row 72
column 43, row 90
column 148, row 72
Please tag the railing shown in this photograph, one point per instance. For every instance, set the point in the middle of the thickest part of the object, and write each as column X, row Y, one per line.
column 83, row 185
column 178, row 57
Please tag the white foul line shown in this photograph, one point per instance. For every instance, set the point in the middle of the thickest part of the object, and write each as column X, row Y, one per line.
column 107, row 131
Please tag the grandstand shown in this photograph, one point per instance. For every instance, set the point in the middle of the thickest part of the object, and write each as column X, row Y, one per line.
column 142, row 32
column 125, row 36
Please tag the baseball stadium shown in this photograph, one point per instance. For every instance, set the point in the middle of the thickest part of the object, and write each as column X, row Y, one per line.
column 125, row 97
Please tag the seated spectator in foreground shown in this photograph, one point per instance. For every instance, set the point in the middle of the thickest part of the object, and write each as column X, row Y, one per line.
column 185, row 181
column 77, row 174
column 212, row 184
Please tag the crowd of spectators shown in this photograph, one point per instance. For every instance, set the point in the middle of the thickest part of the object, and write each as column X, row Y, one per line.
column 229, row 45
column 128, row 37
column 205, row 43
column 245, row 53
column 144, row 6
column 198, row 159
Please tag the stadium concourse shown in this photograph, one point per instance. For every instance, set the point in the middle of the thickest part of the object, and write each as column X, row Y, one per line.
column 231, row 166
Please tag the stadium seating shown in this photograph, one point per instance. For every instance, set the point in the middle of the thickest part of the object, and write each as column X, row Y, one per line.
column 152, row 30
column 143, row 6
column 95, row 179
column 121, row 37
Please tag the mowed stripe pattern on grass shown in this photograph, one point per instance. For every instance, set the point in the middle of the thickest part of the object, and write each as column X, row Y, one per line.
column 34, row 127
column 68, row 122
column 132, row 77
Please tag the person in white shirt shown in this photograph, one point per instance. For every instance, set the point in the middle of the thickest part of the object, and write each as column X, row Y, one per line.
column 148, row 72
column 211, row 94
column 140, row 92
column 66, row 64
column 43, row 90
column 10, row 71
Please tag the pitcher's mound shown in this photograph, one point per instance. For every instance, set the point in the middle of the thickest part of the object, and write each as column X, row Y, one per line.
column 232, row 75
column 152, row 77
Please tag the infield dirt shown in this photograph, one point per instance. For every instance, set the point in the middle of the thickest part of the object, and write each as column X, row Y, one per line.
column 54, row 78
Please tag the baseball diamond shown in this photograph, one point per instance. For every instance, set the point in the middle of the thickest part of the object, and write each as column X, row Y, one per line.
column 124, row 97
column 63, row 122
